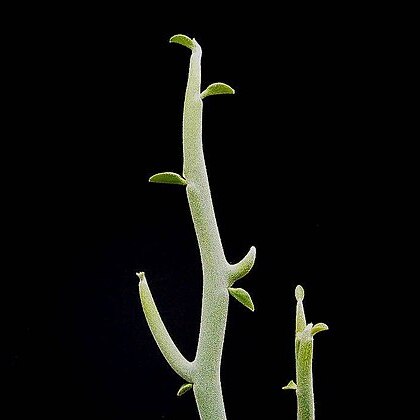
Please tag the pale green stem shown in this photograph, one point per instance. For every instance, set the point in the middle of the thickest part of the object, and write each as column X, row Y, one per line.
column 168, row 348
column 304, row 352
column 218, row 274
column 214, row 310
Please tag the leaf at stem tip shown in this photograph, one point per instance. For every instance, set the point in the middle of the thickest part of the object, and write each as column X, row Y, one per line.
column 299, row 292
column 290, row 385
column 168, row 178
column 183, row 40
column 184, row 388
column 217, row 89
column 318, row 328
column 242, row 296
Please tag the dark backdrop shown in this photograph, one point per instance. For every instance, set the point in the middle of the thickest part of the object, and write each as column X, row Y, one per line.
column 96, row 110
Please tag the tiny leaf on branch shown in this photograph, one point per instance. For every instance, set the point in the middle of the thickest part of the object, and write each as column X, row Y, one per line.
column 318, row 328
column 290, row 385
column 184, row 388
column 242, row 296
column 168, row 178
column 217, row 89
column 183, row 40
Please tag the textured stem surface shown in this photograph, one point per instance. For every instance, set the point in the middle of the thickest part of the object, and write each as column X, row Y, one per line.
column 203, row 374
column 166, row 345
column 304, row 344
column 208, row 395
column 305, row 392
column 214, row 309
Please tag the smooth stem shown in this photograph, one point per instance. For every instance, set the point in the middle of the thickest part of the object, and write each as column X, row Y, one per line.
column 215, row 300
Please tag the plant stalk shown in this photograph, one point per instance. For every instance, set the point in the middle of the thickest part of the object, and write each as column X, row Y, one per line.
column 305, row 391
column 215, row 299
column 202, row 374
column 304, row 343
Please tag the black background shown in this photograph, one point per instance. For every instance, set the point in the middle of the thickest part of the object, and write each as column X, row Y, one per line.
column 95, row 110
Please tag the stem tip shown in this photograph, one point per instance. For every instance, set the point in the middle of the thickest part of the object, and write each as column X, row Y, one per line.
column 299, row 292
column 141, row 275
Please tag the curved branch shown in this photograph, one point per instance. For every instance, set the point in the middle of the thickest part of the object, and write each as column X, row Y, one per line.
column 243, row 267
column 170, row 351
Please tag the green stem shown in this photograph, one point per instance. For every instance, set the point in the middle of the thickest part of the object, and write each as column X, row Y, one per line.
column 166, row 345
column 305, row 392
column 214, row 310
column 209, row 398
column 218, row 275
column 304, row 344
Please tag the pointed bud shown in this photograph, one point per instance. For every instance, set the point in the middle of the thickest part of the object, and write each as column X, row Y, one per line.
column 290, row 385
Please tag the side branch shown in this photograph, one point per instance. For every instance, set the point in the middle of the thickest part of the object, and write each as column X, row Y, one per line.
column 242, row 268
column 170, row 351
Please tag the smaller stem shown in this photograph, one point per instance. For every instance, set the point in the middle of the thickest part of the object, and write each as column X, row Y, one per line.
column 305, row 392
column 304, row 344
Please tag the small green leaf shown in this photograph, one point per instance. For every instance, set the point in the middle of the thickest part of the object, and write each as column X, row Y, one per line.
column 242, row 296
column 217, row 89
column 183, row 40
column 168, row 178
column 290, row 385
column 318, row 328
column 299, row 292
column 184, row 388
column 306, row 334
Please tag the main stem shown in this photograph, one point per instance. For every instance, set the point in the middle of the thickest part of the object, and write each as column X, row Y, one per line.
column 215, row 300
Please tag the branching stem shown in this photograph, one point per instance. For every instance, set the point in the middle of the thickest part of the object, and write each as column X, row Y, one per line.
column 218, row 275
column 214, row 309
